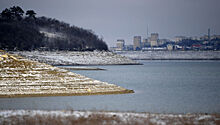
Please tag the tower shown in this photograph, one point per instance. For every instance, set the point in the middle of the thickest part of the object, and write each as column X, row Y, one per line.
column 209, row 34
column 154, row 39
column 137, row 42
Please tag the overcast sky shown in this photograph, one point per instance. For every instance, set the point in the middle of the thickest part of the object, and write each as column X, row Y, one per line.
column 123, row 19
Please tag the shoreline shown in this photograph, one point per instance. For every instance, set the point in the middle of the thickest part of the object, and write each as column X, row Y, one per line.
column 171, row 55
column 80, row 68
column 64, row 117
column 100, row 64
column 67, row 94
column 21, row 77
column 177, row 59
column 76, row 58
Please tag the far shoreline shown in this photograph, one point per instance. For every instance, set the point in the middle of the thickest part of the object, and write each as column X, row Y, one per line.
column 100, row 64
column 177, row 59
column 127, row 91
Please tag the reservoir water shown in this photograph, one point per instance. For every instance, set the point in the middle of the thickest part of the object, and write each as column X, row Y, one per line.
column 176, row 86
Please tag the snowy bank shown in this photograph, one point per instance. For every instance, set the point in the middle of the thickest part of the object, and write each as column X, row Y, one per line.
column 22, row 77
column 70, row 117
column 77, row 58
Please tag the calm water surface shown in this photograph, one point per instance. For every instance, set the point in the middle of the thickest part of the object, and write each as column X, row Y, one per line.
column 160, row 87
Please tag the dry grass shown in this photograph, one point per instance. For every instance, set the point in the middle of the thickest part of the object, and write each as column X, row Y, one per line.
column 94, row 119
column 107, row 118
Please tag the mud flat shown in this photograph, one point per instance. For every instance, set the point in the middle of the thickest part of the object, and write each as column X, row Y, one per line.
column 77, row 58
column 20, row 77
column 69, row 117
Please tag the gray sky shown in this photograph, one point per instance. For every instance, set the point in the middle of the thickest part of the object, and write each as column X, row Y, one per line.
column 123, row 19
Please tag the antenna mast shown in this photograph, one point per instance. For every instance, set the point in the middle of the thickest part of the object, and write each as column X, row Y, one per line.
column 147, row 31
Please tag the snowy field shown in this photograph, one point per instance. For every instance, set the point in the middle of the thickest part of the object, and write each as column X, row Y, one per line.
column 171, row 55
column 70, row 117
column 76, row 58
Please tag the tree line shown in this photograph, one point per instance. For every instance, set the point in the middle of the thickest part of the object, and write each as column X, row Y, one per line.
column 21, row 30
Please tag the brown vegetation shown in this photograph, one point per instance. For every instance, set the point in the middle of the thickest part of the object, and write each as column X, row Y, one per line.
column 107, row 118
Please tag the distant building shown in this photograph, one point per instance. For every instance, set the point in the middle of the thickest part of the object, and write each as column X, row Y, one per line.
column 205, row 37
column 179, row 38
column 194, row 38
column 145, row 43
column 215, row 37
column 178, row 47
column 112, row 48
column 196, row 47
column 120, row 44
column 154, row 39
column 169, row 47
column 129, row 47
column 154, row 49
column 137, row 43
column 162, row 41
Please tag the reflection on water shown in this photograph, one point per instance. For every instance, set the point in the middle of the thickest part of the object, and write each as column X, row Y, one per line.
column 160, row 87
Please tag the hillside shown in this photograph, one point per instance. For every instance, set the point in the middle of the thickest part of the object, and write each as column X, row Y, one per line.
column 19, row 32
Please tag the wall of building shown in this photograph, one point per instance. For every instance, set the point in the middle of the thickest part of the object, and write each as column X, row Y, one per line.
column 137, row 42
column 154, row 39
column 120, row 45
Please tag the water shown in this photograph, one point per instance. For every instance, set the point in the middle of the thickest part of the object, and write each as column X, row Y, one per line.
column 160, row 87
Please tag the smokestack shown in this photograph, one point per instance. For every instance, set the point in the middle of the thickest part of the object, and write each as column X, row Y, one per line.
column 209, row 34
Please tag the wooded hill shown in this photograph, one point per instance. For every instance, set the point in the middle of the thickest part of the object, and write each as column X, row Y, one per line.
column 25, row 31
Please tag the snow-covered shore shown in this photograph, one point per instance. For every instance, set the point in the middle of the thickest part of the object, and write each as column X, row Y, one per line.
column 21, row 77
column 171, row 55
column 70, row 117
column 77, row 58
